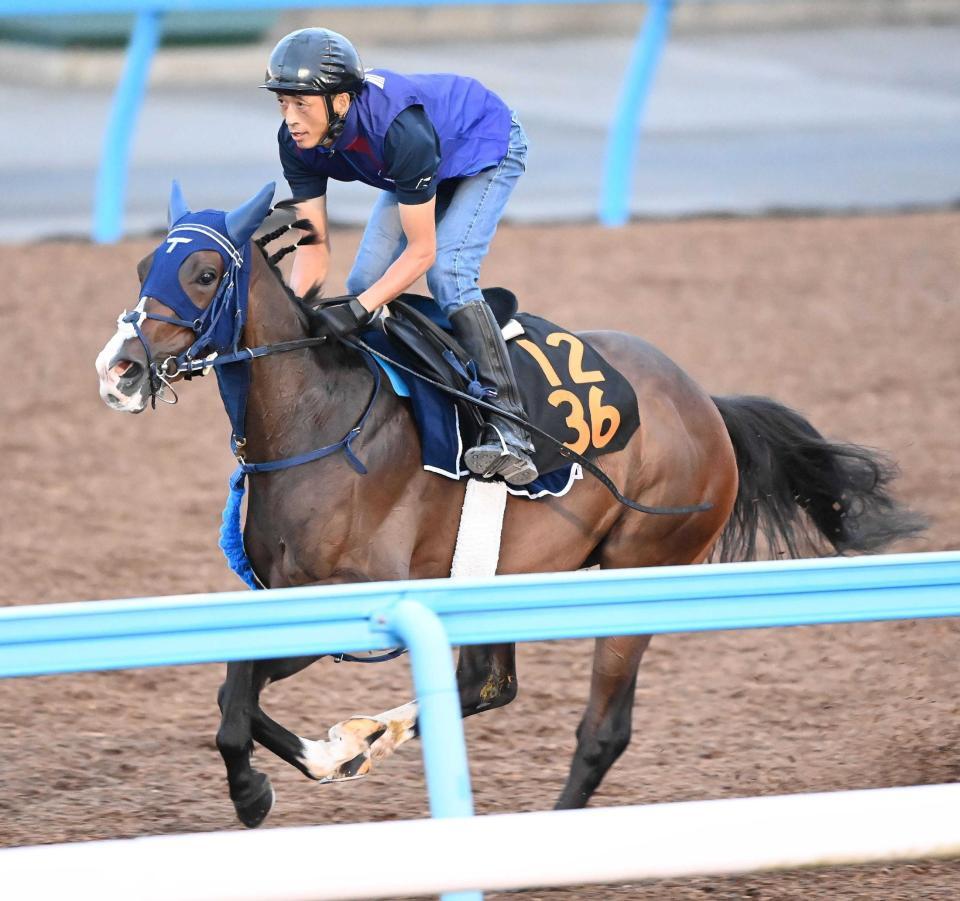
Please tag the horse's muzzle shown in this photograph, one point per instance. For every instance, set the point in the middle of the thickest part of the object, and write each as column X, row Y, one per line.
column 130, row 375
column 124, row 385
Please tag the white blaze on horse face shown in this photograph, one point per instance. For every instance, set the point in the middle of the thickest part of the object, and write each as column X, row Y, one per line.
column 107, row 370
column 355, row 743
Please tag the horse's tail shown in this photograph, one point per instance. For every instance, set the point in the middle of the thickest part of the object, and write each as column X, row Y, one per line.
column 801, row 494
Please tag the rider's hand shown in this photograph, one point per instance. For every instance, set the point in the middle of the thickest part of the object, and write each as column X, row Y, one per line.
column 341, row 317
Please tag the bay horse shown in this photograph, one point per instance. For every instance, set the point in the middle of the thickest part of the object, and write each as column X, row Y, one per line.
column 769, row 480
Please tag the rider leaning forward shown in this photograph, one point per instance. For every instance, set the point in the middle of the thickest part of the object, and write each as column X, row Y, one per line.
column 446, row 153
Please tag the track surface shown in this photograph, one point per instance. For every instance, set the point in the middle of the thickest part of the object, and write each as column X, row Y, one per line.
column 851, row 320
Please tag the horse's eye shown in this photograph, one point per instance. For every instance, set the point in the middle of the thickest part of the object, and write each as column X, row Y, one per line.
column 207, row 277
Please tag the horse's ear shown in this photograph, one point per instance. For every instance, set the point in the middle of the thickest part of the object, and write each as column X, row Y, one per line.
column 245, row 219
column 178, row 206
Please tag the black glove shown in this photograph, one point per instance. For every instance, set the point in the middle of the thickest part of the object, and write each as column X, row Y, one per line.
column 340, row 317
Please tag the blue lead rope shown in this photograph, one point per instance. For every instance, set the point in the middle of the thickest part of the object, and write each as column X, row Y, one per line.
column 231, row 536
column 231, row 533
column 231, row 543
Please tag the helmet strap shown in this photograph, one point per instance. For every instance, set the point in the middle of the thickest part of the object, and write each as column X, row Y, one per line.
column 335, row 122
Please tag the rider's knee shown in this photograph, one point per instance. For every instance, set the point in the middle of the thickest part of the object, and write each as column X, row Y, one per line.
column 450, row 286
column 441, row 282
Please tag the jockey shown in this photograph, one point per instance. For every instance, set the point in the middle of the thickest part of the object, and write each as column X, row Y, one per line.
column 446, row 153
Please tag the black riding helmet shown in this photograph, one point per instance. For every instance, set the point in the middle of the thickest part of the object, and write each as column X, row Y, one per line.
column 316, row 61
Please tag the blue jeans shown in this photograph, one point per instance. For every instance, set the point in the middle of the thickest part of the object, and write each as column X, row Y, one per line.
column 466, row 222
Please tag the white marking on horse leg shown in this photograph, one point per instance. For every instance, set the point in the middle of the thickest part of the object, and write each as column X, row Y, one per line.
column 346, row 755
column 355, row 743
column 401, row 723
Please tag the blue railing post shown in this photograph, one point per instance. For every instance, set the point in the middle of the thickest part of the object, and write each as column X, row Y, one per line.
column 623, row 137
column 115, row 162
column 439, row 718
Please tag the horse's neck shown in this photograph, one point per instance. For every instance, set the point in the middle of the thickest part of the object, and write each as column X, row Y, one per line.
column 300, row 399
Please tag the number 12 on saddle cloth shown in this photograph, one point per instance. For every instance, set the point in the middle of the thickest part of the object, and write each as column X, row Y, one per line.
column 570, row 391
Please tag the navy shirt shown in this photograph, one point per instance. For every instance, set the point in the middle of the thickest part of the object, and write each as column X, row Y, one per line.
column 411, row 160
column 404, row 134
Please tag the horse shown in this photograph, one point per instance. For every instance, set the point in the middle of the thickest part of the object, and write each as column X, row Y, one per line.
column 760, row 477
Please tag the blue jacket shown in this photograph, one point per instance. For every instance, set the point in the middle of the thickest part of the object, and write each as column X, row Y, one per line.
column 471, row 122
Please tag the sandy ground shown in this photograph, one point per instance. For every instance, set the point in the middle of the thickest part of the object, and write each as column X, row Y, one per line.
column 852, row 320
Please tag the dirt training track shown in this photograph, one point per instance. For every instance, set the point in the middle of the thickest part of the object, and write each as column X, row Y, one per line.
column 854, row 321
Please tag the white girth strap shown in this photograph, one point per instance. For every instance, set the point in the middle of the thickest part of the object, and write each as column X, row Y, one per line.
column 481, row 522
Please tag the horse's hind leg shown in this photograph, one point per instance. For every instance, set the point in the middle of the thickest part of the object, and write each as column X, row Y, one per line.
column 604, row 731
column 486, row 677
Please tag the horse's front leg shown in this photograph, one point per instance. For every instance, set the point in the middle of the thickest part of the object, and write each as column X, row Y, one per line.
column 347, row 752
column 250, row 790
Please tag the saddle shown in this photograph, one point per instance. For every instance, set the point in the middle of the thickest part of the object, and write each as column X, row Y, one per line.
column 417, row 327
column 569, row 390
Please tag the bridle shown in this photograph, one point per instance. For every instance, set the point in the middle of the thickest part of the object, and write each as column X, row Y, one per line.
column 231, row 364
column 205, row 324
column 217, row 330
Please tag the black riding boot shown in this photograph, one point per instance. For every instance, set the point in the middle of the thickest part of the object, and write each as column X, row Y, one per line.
column 505, row 447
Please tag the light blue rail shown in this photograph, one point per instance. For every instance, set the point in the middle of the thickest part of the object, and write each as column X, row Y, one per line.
column 431, row 616
column 110, row 197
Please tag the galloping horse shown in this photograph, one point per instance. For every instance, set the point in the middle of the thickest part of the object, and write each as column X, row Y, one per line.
column 768, row 477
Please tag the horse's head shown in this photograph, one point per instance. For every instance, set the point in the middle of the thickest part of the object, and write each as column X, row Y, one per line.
column 193, row 300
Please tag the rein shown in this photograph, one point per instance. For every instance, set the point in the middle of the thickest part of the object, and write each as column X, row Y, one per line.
column 195, row 368
column 233, row 374
column 563, row 450
column 232, row 367
column 190, row 369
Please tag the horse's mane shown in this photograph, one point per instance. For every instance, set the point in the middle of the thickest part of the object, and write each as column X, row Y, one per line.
column 273, row 260
column 303, row 303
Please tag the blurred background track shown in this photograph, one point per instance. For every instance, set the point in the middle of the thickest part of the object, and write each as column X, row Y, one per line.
column 756, row 107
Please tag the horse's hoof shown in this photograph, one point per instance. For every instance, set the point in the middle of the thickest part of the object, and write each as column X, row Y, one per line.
column 254, row 807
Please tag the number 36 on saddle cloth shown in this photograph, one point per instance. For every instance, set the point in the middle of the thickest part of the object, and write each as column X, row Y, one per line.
column 569, row 390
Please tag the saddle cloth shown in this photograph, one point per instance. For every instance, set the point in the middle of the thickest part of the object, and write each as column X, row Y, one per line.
column 569, row 390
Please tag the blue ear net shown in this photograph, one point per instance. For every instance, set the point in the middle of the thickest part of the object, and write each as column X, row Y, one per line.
column 177, row 207
column 245, row 219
